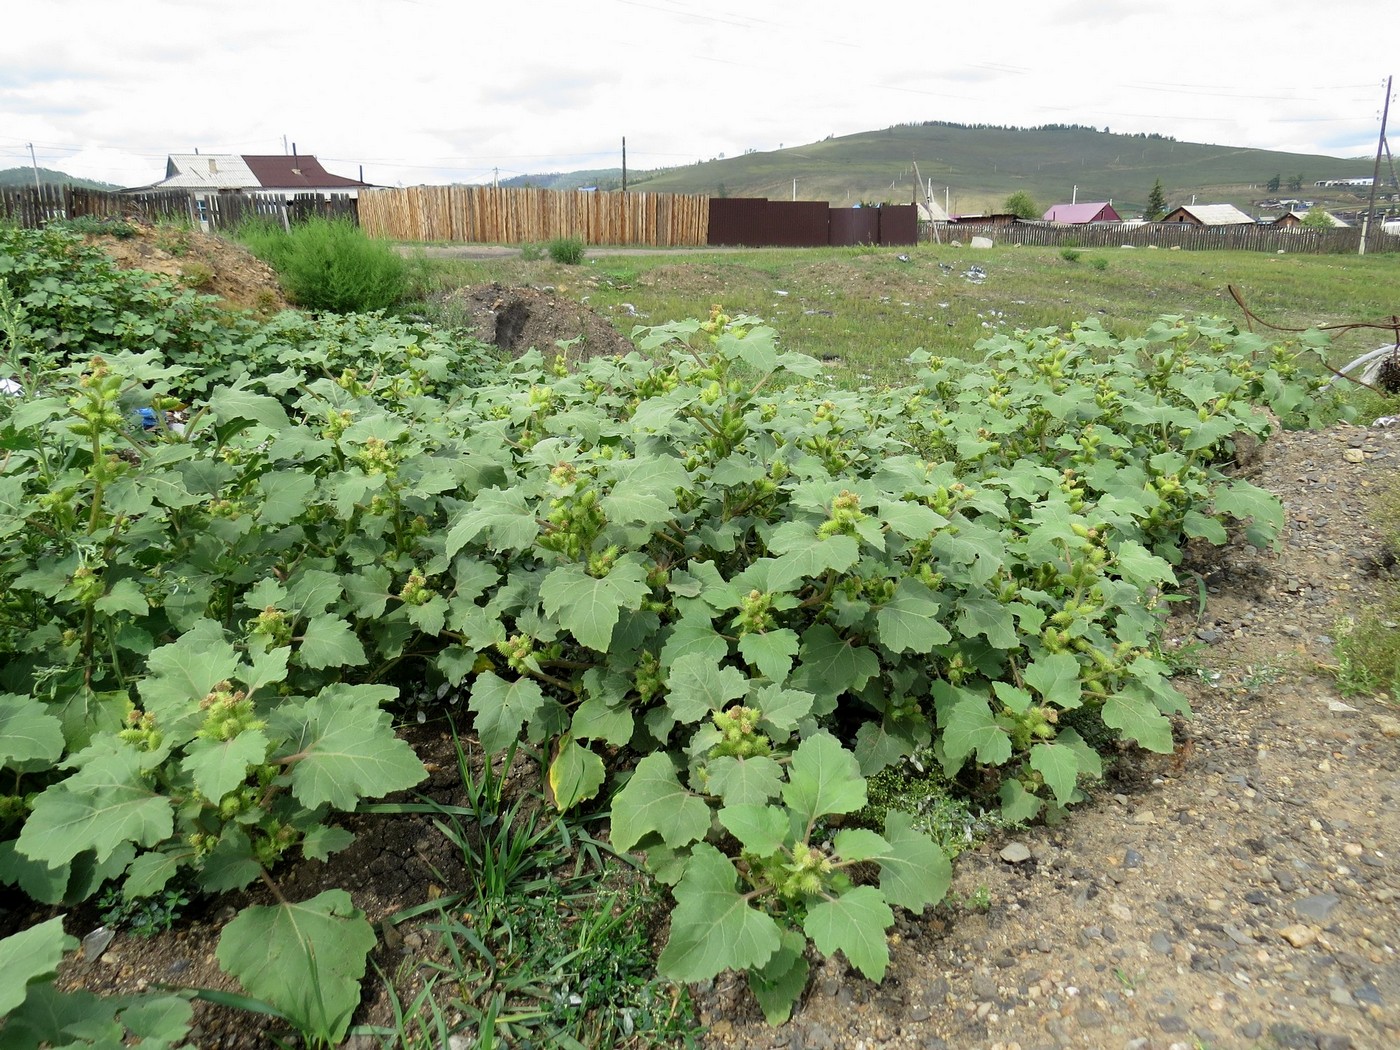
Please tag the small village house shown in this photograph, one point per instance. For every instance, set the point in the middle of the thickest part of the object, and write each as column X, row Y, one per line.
column 1209, row 215
column 274, row 176
column 1079, row 214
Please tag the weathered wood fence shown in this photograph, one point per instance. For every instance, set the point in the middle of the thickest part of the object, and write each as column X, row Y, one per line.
column 492, row 215
column 32, row 207
column 1185, row 236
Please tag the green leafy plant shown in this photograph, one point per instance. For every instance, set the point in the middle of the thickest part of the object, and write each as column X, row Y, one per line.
column 1070, row 254
column 33, row 1012
column 143, row 916
column 1099, row 263
column 532, row 252
column 566, row 250
column 330, row 264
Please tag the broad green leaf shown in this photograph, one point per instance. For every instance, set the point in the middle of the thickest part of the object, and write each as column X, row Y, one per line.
column 908, row 621
column 771, row 652
column 347, row 749
column 696, row 688
column 831, row 665
column 1055, row 676
column 187, row 669
column 1059, row 766
column 1137, row 718
column 27, row 731
column 911, row 520
column 29, row 955
column 713, row 928
column 804, row 554
column 693, row 635
column 854, row 923
column 588, row 607
column 125, row 596
column 323, row 840
column 1250, row 503
column 1140, row 565
column 219, row 766
column 598, row 719
column 149, row 873
column 760, row 829
column 285, row 496
column 575, row 775
column 329, row 641
column 915, row 873
column 106, row 804
column 823, row 779
column 988, row 617
column 880, row 744
column 654, row 801
column 778, row 983
column 38, row 881
column 1018, row 806
column 783, row 708
column 505, row 516
column 502, row 708
column 970, row 728
column 744, row 780
column 306, row 959
column 310, row 592
column 229, row 404
column 859, row 844
column 159, row 1020
column 1014, row 697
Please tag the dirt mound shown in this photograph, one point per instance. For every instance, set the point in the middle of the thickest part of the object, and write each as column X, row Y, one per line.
column 204, row 262
column 517, row 319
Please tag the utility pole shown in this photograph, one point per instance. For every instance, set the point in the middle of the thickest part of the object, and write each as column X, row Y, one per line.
column 495, row 178
column 624, row 163
column 1376, row 174
column 35, row 164
column 794, row 189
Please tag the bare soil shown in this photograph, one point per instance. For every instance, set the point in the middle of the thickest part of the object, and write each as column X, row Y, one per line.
column 203, row 262
column 1240, row 893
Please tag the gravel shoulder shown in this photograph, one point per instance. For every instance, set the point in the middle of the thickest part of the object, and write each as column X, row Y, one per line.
column 1240, row 893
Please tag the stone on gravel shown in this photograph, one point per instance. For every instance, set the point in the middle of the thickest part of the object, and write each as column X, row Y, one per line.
column 1015, row 853
column 1318, row 907
column 1298, row 935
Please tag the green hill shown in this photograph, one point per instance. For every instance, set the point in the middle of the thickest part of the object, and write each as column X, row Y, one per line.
column 49, row 177
column 977, row 167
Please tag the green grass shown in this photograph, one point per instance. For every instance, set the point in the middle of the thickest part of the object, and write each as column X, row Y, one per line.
column 863, row 310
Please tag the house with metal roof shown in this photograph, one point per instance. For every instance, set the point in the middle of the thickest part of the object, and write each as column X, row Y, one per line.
column 1078, row 214
column 275, row 175
column 1209, row 215
column 1295, row 218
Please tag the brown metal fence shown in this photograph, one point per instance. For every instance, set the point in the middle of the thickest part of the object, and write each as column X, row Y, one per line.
column 498, row 215
column 1187, row 237
column 756, row 223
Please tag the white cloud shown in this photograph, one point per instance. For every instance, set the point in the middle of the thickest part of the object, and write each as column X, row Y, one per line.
column 439, row 90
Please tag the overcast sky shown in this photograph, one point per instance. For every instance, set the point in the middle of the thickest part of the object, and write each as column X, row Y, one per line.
column 437, row 91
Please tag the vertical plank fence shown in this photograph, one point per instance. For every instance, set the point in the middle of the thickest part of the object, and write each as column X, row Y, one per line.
column 1185, row 236
column 32, row 207
column 493, row 215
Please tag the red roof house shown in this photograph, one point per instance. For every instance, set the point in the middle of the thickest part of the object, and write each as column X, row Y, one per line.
column 1096, row 211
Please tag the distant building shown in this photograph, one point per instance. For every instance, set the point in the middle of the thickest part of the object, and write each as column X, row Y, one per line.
column 1355, row 183
column 1295, row 218
column 1078, row 214
column 1209, row 215
column 992, row 219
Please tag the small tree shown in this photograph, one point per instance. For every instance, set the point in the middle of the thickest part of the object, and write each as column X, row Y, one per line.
column 1156, row 202
column 1273, row 184
column 1318, row 219
column 1295, row 183
column 1020, row 205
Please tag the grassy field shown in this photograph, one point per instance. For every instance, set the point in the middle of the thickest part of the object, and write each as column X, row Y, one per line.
column 863, row 310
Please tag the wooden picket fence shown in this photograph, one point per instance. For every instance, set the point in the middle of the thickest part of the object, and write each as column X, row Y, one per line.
column 1187, row 237
column 499, row 215
column 33, row 206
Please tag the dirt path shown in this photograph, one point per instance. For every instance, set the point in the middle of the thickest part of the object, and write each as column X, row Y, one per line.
column 1240, row 894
